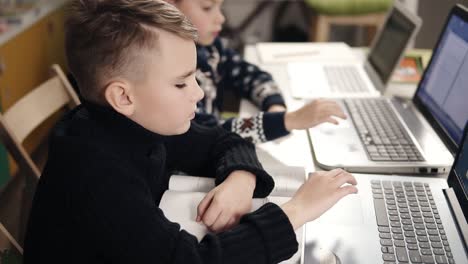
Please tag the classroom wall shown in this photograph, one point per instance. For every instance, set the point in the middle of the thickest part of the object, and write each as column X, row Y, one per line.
column 433, row 13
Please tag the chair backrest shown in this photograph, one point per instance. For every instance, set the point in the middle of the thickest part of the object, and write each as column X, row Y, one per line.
column 30, row 111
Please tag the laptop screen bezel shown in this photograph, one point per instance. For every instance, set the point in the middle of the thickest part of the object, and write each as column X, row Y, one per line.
column 369, row 65
column 416, row 23
column 453, row 180
column 461, row 12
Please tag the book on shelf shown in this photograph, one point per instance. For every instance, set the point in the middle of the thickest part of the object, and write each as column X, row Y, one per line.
column 179, row 203
column 13, row 13
column 409, row 70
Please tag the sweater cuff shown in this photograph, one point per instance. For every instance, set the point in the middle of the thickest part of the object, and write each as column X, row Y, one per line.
column 275, row 99
column 243, row 157
column 276, row 230
column 273, row 125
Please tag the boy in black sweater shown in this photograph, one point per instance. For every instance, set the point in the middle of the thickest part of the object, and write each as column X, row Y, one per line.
column 110, row 158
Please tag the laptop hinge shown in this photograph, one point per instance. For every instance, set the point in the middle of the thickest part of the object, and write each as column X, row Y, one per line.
column 460, row 219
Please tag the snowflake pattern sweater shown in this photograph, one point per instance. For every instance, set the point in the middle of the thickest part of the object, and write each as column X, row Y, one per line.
column 219, row 69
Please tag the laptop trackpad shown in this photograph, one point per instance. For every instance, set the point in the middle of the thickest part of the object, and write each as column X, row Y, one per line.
column 344, row 234
column 348, row 211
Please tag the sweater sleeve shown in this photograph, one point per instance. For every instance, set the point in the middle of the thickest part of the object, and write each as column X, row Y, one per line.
column 213, row 151
column 131, row 228
column 248, row 80
column 264, row 126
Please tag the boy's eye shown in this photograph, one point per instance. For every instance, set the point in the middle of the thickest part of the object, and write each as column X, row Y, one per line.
column 207, row 8
column 181, row 85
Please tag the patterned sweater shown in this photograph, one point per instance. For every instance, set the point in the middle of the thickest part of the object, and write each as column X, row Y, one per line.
column 220, row 68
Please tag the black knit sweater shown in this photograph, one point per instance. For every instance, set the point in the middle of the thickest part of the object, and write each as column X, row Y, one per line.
column 97, row 199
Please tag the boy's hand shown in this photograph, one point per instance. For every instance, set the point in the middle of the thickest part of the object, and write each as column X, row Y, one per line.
column 313, row 113
column 318, row 194
column 223, row 206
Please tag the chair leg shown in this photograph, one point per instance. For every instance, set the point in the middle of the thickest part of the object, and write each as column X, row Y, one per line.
column 323, row 29
column 370, row 34
column 312, row 27
column 26, row 204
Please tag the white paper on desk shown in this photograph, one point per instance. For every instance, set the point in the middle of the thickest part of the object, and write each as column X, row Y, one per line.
column 287, row 180
column 270, row 53
column 181, row 207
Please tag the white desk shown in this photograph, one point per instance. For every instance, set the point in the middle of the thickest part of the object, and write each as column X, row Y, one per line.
column 294, row 149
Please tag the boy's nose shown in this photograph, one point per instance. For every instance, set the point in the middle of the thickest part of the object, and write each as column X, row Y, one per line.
column 199, row 94
column 220, row 17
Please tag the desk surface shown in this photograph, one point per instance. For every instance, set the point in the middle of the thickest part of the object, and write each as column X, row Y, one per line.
column 294, row 149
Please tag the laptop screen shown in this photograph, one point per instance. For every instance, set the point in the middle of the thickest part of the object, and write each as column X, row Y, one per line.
column 458, row 178
column 391, row 43
column 443, row 90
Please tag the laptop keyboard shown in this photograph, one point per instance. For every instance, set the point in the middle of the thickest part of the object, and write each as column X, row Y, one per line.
column 409, row 224
column 381, row 133
column 344, row 79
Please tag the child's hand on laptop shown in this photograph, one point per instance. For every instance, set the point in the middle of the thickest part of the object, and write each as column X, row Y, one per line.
column 223, row 206
column 318, row 194
column 313, row 113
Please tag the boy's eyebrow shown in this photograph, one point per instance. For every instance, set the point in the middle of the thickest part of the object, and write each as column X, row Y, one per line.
column 187, row 74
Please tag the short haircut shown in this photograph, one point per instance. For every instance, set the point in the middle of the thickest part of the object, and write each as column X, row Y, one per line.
column 105, row 39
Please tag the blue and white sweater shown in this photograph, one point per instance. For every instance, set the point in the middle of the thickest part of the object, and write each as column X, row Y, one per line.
column 220, row 68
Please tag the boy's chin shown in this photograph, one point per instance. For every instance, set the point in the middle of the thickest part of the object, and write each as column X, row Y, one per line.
column 206, row 42
column 182, row 130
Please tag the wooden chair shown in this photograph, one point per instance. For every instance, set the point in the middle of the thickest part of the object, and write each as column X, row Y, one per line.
column 30, row 111
column 16, row 123
column 10, row 251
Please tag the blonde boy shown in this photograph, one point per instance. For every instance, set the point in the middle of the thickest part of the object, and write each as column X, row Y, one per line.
column 220, row 69
column 110, row 158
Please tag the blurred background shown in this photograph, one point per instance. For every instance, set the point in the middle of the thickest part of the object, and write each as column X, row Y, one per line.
column 290, row 20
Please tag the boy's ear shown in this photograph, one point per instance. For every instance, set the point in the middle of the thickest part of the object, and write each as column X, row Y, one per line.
column 119, row 95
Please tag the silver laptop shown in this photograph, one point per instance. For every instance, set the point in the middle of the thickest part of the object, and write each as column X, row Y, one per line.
column 345, row 78
column 396, row 219
column 391, row 135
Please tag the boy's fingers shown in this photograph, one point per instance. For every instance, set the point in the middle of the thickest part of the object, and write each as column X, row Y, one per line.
column 337, row 111
column 340, row 114
column 345, row 190
column 204, row 204
column 335, row 172
column 345, row 178
column 330, row 120
column 231, row 223
column 211, row 215
column 221, row 222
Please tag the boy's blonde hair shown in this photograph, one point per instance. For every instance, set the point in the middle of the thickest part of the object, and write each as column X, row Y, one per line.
column 108, row 38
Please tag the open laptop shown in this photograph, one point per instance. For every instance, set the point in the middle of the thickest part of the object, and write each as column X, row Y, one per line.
column 344, row 78
column 391, row 135
column 396, row 219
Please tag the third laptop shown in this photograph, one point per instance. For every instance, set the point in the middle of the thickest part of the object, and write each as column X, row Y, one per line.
column 345, row 78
